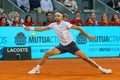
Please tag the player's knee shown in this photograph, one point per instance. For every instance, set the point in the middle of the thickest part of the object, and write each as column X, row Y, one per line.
column 48, row 54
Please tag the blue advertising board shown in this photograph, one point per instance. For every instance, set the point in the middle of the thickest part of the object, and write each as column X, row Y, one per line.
column 105, row 44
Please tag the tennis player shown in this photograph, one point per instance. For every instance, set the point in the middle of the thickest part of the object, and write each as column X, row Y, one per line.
column 67, row 44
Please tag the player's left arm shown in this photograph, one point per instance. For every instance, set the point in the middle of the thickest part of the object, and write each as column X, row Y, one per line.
column 82, row 31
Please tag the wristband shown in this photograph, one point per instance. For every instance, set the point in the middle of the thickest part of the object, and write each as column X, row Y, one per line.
column 32, row 29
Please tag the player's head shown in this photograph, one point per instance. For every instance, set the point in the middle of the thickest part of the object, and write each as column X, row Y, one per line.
column 58, row 16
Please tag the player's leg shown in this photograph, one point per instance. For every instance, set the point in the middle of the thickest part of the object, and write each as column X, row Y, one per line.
column 51, row 52
column 80, row 54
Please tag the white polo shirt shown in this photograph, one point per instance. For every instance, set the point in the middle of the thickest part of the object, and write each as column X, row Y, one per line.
column 63, row 32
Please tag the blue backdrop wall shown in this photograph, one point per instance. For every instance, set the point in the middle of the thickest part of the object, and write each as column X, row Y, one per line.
column 105, row 44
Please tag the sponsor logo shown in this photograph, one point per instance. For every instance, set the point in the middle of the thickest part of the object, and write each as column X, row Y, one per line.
column 81, row 39
column 106, row 39
column 43, row 39
column 20, row 39
column 3, row 40
column 18, row 50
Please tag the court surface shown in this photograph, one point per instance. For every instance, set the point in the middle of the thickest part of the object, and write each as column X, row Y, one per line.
column 60, row 69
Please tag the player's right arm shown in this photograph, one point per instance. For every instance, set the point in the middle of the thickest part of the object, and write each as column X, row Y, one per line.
column 83, row 32
column 37, row 29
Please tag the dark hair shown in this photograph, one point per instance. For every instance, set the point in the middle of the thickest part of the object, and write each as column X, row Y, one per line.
column 3, row 18
column 65, row 15
column 88, row 19
column 3, row 13
column 27, row 17
column 76, row 12
column 112, row 19
column 48, row 13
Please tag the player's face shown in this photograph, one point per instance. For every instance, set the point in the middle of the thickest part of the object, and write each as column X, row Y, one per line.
column 58, row 17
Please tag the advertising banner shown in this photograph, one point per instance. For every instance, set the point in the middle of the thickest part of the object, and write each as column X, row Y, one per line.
column 105, row 44
column 17, row 53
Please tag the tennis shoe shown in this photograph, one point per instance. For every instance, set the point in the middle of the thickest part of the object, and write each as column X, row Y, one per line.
column 106, row 71
column 34, row 71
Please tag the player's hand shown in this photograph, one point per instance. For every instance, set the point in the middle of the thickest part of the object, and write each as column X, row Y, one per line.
column 91, row 37
column 27, row 28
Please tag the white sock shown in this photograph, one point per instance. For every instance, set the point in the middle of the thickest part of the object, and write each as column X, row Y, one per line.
column 38, row 66
column 100, row 68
